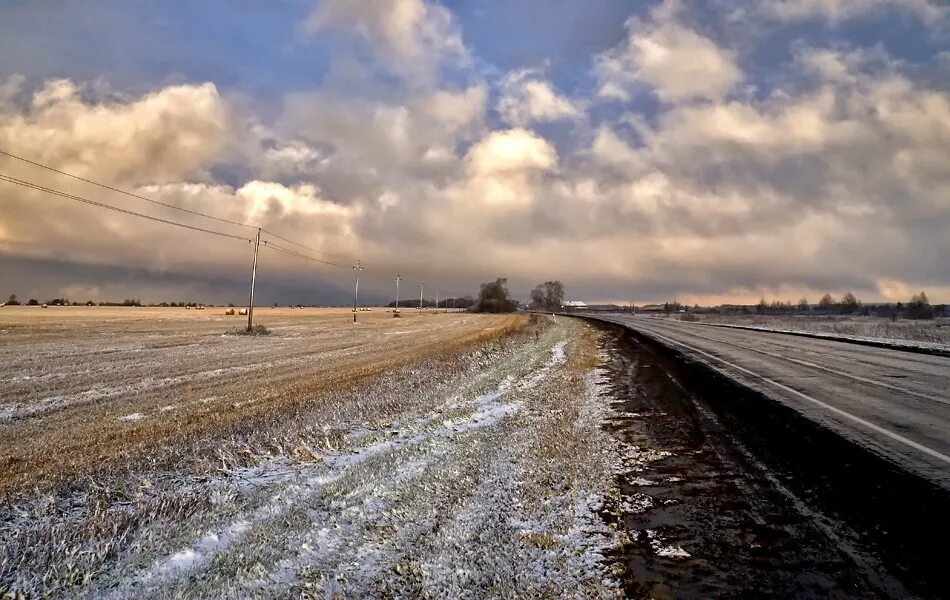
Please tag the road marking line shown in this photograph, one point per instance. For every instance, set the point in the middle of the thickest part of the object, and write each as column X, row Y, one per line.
column 894, row 436
column 828, row 369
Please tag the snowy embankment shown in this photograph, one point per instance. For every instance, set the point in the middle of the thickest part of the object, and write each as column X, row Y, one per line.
column 487, row 483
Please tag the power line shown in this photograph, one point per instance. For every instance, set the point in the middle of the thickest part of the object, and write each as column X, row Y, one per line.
column 172, row 206
column 275, row 247
column 371, row 274
column 127, row 193
column 299, row 245
column 61, row 194
column 41, row 188
column 267, row 243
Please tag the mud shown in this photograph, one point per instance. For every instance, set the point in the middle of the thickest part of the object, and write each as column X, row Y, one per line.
column 753, row 501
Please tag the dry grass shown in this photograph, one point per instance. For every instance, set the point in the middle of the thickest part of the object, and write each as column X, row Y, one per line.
column 82, row 389
column 479, row 471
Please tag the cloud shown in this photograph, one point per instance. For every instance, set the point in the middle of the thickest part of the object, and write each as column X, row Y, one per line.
column 526, row 98
column 411, row 38
column 10, row 88
column 407, row 131
column 269, row 201
column 164, row 145
column 511, row 151
column 609, row 148
column 829, row 175
column 837, row 11
column 676, row 62
column 838, row 181
column 175, row 132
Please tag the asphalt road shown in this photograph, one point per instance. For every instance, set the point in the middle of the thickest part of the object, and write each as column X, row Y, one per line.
column 895, row 403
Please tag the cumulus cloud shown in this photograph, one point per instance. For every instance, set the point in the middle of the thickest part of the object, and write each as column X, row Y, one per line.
column 162, row 145
column 831, row 177
column 676, row 62
column 175, row 132
column 609, row 148
column 414, row 129
column 271, row 201
column 839, row 181
column 10, row 88
column 511, row 151
column 412, row 38
column 527, row 98
column 841, row 10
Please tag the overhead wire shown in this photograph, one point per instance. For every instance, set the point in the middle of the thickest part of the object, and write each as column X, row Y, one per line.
column 275, row 247
column 267, row 243
column 126, row 192
column 369, row 272
column 167, row 205
column 299, row 245
column 34, row 186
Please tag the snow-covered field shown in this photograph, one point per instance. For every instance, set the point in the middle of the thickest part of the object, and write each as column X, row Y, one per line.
column 472, row 474
column 931, row 334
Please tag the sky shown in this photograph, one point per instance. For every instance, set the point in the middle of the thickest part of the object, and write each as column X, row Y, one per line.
column 709, row 152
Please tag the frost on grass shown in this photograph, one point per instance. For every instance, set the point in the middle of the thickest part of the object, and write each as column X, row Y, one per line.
column 481, row 477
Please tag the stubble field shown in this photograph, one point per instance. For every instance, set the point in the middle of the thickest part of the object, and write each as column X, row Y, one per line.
column 79, row 386
column 145, row 453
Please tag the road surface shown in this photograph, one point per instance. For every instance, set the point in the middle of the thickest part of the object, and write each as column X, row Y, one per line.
column 894, row 403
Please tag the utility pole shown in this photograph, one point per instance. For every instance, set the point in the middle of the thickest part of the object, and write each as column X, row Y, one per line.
column 436, row 300
column 356, row 294
column 396, row 311
column 250, row 302
column 421, row 288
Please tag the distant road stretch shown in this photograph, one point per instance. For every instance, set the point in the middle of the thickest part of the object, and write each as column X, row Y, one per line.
column 895, row 403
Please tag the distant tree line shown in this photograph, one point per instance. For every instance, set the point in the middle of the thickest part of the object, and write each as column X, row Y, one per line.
column 463, row 302
column 918, row 307
column 14, row 301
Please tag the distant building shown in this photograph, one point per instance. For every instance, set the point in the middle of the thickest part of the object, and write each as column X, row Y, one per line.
column 651, row 308
column 574, row 305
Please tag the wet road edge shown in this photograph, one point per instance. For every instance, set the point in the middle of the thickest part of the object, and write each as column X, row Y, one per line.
column 883, row 511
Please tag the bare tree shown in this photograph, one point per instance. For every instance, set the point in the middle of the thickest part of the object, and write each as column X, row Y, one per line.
column 493, row 297
column 849, row 303
column 548, row 296
column 919, row 307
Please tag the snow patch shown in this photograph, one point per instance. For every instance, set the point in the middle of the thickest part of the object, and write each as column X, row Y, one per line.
column 660, row 548
column 187, row 558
